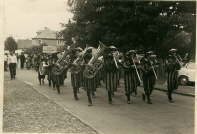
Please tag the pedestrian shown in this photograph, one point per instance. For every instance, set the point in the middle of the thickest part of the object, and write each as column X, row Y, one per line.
column 12, row 60
column 131, row 79
column 6, row 62
column 22, row 60
column 149, row 75
column 173, row 63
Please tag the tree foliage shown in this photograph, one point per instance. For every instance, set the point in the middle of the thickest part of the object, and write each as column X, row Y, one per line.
column 10, row 44
column 131, row 24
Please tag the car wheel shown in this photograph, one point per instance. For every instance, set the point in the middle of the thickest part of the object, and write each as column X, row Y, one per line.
column 183, row 80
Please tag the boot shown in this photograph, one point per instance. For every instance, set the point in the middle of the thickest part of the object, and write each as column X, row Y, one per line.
column 128, row 99
column 75, row 94
column 109, row 97
column 89, row 99
column 149, row 100
column 58, row 89
column 143, row 97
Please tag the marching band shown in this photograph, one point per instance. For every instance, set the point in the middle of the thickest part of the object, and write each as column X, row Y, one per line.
column 90, row 66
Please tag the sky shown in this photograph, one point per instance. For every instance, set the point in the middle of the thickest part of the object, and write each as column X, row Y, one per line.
column 23, row 18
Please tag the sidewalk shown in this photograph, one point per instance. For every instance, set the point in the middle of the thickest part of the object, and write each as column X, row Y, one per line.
column 26, row 110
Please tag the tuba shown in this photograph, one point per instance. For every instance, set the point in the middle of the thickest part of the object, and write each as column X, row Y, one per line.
column 62, row 63
column 95, row 63
column 76, row 65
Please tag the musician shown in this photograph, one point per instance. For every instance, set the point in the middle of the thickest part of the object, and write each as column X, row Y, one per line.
column 130, row 73
column 110, row 69
column 89, row 83
column 149, row 75
column 173, row 63
column 76, row 77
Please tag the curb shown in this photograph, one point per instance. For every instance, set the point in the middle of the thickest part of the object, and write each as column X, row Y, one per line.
column 184, row 94
column 164, row 90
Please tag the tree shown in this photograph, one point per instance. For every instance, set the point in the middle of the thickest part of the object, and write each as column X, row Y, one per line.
column 10, row 44
column 131, row 24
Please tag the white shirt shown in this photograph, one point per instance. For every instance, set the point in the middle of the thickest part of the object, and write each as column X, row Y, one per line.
column 12, row 59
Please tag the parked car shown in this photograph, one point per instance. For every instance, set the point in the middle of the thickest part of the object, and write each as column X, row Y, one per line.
column 187, row 74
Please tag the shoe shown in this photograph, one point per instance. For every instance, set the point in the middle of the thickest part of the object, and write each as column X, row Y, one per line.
column 143, row 97
column 90, row 104
column 128, row 102
column 149, row 102
column 171, row 101
column 76, row 98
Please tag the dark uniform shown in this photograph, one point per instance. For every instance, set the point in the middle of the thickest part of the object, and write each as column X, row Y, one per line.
column 148, row 76
column 90, row 84
column 76, row 77
column 110, row 70
column 130, row 75
column 172, row 70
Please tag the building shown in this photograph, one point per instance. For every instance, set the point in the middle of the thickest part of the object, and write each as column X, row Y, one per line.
column 47, row 37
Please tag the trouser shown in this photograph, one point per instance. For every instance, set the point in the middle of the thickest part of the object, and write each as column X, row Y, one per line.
column 130, row 82
column 22, row 64
column 172, row 82
column 111, row 84
column 5, row 66
column 56, row 82
column 12, row 67
column 148, row 82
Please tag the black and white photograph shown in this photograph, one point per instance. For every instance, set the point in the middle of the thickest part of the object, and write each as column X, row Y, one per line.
column 98, row 66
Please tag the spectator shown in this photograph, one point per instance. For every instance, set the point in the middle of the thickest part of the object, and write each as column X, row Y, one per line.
column 22, row 60
column 12, row 60
column 6, row 62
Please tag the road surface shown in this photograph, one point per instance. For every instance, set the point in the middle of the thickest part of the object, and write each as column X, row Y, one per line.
column 161, row 117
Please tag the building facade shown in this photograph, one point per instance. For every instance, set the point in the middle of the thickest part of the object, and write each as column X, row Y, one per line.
column 47, row 37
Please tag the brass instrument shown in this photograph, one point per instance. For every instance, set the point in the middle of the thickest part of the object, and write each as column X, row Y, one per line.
column 115, row 56
column 153, row 69
column 76, row 65
column 62, row 63
column 95, row 63
column 136, row 70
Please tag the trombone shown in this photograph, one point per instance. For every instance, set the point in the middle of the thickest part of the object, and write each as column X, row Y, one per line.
column 136, row 71
column 153, row 70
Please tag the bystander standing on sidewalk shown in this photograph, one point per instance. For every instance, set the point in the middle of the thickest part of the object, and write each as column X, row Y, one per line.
column 12, row 60
column 6, row 62
column 22, row 60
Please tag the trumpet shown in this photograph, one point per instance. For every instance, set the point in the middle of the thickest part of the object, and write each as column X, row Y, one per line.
column 136, row 70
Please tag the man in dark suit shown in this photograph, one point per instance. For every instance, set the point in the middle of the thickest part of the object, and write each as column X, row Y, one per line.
column 22, row 60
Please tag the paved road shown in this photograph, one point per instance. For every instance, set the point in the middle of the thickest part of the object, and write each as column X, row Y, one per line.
column 120, row 118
